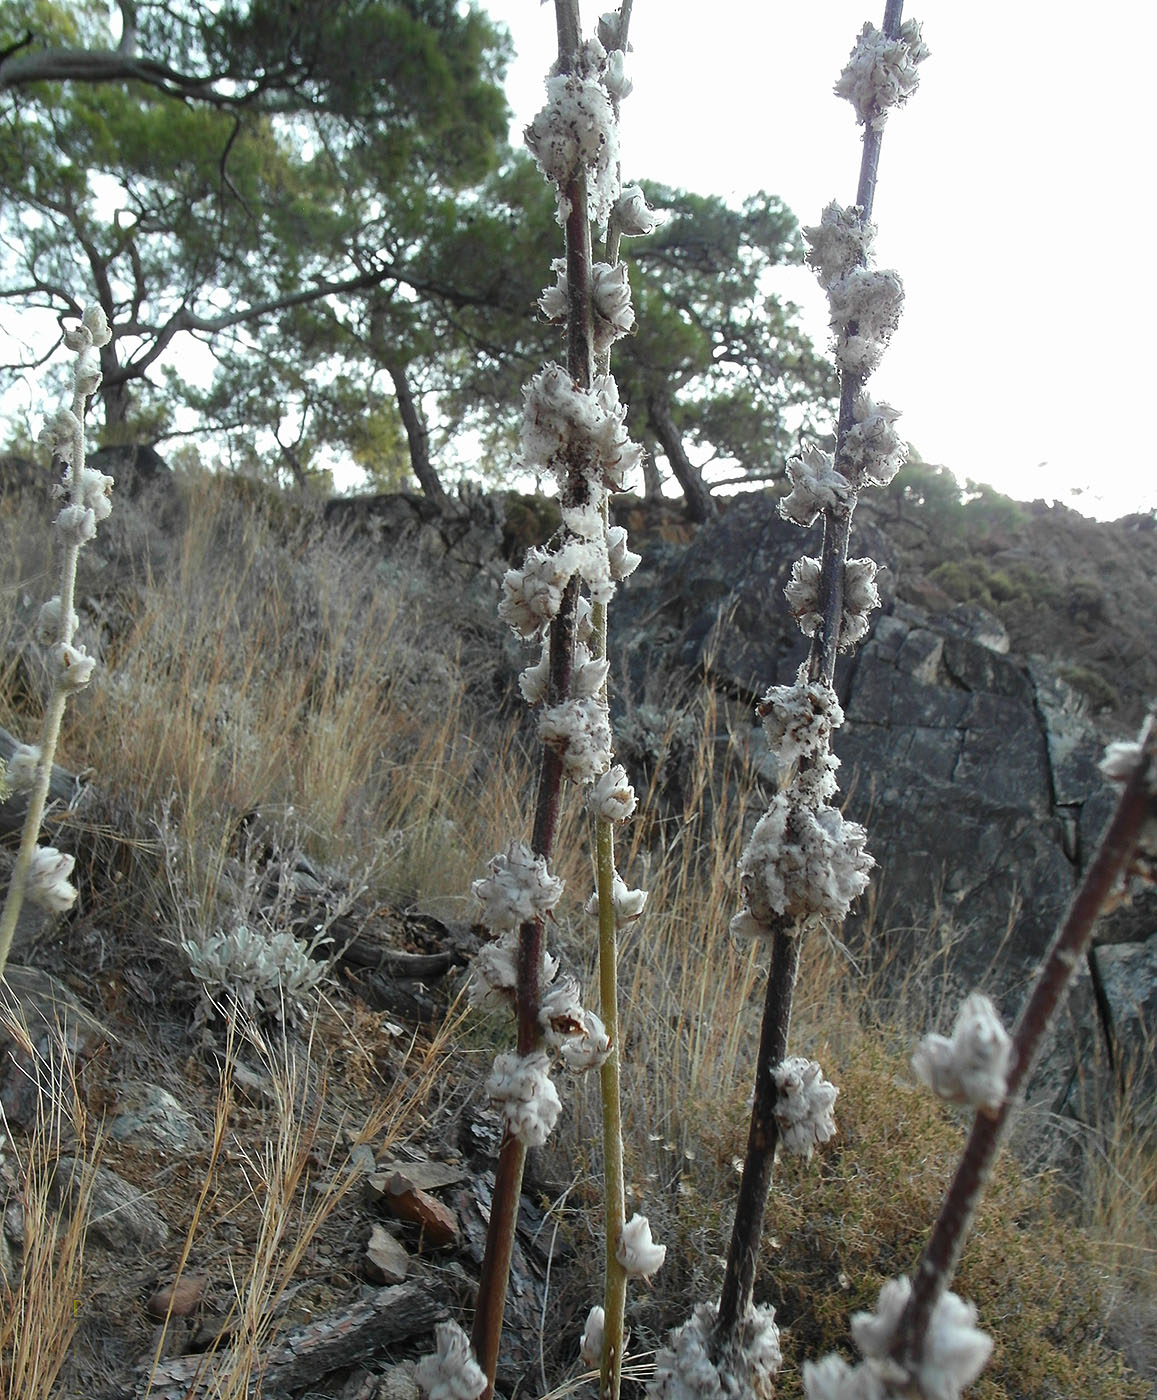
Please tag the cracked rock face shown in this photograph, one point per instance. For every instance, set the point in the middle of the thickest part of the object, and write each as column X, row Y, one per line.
column 973, row 768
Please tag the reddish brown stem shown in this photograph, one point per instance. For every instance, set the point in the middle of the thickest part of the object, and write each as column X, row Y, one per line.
column 1104, row 874
column 487, row 1331
column 743, row 1251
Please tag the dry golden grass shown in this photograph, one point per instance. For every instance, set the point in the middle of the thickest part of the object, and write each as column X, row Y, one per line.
column 39, row 1301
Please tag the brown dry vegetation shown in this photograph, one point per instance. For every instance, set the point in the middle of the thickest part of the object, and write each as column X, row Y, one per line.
column 269, row 669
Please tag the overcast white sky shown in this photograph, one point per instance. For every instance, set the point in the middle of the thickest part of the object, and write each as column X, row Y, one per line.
column 1015, row 199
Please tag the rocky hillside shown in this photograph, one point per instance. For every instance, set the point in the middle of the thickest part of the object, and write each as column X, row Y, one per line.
column 1002, row 658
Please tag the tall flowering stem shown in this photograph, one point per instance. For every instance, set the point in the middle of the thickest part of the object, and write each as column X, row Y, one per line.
column 41, row 872
column 804, row 864
column 1128, row 845
column 610, row 1078
column 573, row 427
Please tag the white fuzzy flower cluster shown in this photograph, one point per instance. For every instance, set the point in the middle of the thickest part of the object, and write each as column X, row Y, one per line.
column 568, row 430
column 21, row 770
column 865, row 311
column 612, row 315
column 860, row 598
column 973, row 1066
column 873, row 451
column 518, row 889
column 577, row 1034
column 612, row 796
column 48, row 880
column 636, row 1251
column 803, row 866
column 803, row 1105
column 635, row 216
column 262, row 972
column 450, row 1372
column 838, row 243
column 628, row 904
column 798, row 720
column 864, row 303
column 955, row 1352
column 521, row 1087
column 591, row 1346
column 816, row 486
column 580, row 729
column 577, row 131
column 685, row 1370
column 882, row 73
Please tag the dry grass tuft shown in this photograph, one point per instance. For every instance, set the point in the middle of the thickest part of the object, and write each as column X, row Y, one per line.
column 42, row 1282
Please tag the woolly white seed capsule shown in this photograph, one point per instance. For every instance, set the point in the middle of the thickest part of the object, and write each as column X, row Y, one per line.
column 580, row 730
column 450, row 1372
column 47, row 883
column 535, row 680
column 519, row 888
column 881, row 72
column 688, row 1367
column 96, row 324
column 803, row 1105
column 974, row 1065
column 865, row 311
column 628, row 904
column 623, row 561
column 816, row 486
column 587, row 1048
column 802, row 865
column 86, row 375
column 63, row 434
column 48, row 622
column 873, row 449
column 839, row 242
column 612, row 797
column 532, row 595
column 1121, row 760
column 95, row 492
column 577, row 131
column 553, row 301
column 591, row 1347
column 798, row 719
column 521, row 1087
column 77, row 525
column 611, row 304
column 636, row 1251
column 954, row 1353
column 635, row 216
column 20, row 772
column 588, row 677
column 72, row 665
column 803, row 594
column 615, row 78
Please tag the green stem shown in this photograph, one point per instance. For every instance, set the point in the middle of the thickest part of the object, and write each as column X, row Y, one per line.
column 50, row 730
column 615, row 1285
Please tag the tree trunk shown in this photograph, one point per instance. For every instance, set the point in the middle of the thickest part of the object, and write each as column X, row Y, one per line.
column 114, row 395
column 700, row 504
column 652, row 481
column 418, row 437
